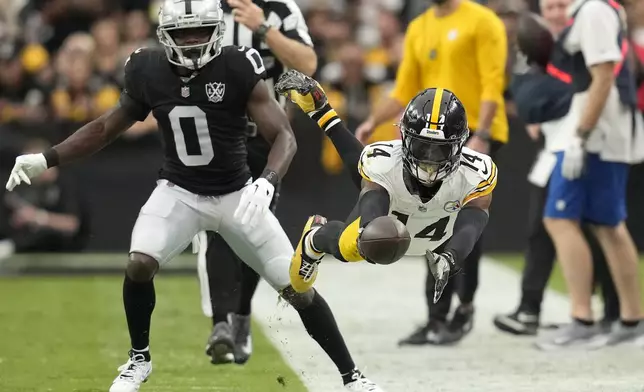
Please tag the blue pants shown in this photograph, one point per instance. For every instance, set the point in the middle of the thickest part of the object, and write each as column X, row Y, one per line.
column 597, row 197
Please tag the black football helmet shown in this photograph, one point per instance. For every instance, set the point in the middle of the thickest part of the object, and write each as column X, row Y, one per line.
column 434, row 130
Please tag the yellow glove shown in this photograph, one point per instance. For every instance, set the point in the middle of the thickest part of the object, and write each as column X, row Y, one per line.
column 302, row 90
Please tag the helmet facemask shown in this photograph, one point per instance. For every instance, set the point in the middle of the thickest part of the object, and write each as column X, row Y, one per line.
column 191, row 55
column 430, row 160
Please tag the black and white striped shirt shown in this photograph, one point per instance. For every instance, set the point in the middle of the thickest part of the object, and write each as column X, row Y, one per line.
column 284, row 15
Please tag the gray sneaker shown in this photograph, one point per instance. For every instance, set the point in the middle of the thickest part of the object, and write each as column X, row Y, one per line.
column 573, row 334
column 221, row 344
column 243, row 340
column 618, row 334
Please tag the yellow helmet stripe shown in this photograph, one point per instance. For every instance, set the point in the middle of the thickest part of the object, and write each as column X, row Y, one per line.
column 436, row 109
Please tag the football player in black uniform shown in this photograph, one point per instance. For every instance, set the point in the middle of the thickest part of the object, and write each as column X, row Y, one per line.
column 200, row 93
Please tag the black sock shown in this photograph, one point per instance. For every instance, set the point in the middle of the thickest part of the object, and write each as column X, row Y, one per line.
column 630, row 323
column 320, row 324
column 139, row 299
column 587, row 323
column 250, row 279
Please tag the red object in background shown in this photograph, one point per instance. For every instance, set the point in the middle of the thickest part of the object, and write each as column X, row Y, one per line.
column 639, row 52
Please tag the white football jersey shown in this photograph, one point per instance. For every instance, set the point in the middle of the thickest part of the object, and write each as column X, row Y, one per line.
column 430, row 224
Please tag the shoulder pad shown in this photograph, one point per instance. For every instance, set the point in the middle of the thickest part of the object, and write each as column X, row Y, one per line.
column 135, row 58
column 480, row 171
column 245, row 58
column 377, row 159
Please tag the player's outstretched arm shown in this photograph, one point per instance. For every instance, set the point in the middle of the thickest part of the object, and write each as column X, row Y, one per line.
column 309, row 96
column 469, row 226
column 86, row 141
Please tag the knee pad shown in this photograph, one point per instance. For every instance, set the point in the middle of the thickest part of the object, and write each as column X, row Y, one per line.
column 141, row 268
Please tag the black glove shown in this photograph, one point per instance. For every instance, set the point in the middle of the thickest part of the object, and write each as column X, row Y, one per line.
column 302, row 90
column 442, row 266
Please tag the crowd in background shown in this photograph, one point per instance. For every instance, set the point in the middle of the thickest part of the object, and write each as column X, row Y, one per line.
column 61, row 65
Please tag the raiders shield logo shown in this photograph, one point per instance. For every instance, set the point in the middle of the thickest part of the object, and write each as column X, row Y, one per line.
column 215, row 92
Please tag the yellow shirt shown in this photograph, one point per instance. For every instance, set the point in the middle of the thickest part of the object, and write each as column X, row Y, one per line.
column 464, row 52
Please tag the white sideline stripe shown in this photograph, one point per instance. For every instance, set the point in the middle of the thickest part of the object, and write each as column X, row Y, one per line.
column 377, row 305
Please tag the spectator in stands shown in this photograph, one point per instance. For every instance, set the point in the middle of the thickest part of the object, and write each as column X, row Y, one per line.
column 108, row 60
column 598, row 139
column 80, row 96
column 137, row 33
column 47, row 216
column 542, row 98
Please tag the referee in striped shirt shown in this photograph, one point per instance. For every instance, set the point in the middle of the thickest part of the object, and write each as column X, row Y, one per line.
column 278, row 31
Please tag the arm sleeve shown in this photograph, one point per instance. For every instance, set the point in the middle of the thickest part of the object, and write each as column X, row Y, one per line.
column 132, row 98
column 293, row 22
column 469, row 226
column 408, row 75
column 599, row 29
column 491, row 56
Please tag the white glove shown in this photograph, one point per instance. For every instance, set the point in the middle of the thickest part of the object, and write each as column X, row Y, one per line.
column 574, row 159
column 442, row 266
column 26, row 167
column 255, row 202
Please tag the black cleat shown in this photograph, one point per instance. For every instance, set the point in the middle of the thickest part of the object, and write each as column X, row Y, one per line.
column 435, row 333
column 518, row 323
column 243, row 341
column 462, row 321
column 221, row 344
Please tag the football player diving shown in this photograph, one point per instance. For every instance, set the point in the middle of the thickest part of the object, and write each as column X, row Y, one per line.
column 200, row 94
column 429, row 181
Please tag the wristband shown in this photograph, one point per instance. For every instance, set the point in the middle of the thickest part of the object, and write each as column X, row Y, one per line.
column 52, row 158
column 325, row 117
column 271, row 176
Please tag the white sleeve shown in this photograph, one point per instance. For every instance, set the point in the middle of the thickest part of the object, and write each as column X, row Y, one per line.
column 599, row 28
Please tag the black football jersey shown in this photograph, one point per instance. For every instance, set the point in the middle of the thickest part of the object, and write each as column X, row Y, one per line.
column 203, row 119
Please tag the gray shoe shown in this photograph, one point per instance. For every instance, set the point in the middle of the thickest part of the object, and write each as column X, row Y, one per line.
column 221, row 344
column 618, row 334
column 573, row 334
column 243, row 341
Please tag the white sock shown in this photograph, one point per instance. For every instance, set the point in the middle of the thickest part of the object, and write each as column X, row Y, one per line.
column 309, row 249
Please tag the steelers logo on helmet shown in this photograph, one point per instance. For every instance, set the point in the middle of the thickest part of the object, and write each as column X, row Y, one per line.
column 434, row 130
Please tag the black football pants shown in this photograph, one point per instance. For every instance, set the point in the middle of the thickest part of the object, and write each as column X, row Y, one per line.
column 540, row 257
column 465, row 283
column 232, row 283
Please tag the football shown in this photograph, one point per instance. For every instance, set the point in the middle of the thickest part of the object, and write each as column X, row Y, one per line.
column 534, row 39
column 384, row 240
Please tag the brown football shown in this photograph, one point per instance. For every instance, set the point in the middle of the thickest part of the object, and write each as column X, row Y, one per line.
column 384, row 240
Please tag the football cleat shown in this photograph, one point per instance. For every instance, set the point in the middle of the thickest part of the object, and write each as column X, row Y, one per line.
column 304, row 269
column 359, row 383
column 243, row 340
column 463, row 321
column 518, row 323
column 221, row 344
column 435, row 332
column 132, row 374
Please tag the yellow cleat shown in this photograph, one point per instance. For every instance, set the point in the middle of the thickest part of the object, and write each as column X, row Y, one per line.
column 304, row 269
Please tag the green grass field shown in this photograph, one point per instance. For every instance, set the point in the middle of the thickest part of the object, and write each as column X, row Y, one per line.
column 66, row 334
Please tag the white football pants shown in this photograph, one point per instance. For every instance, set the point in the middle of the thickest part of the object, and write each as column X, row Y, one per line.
column 172, row 216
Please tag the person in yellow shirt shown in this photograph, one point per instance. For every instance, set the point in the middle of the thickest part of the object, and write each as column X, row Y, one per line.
column 461, row 46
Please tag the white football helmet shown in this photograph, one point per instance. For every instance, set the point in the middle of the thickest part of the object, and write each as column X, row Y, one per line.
column 191, row 14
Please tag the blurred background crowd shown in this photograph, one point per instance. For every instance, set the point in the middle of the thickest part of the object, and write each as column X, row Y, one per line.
column 61, row 65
